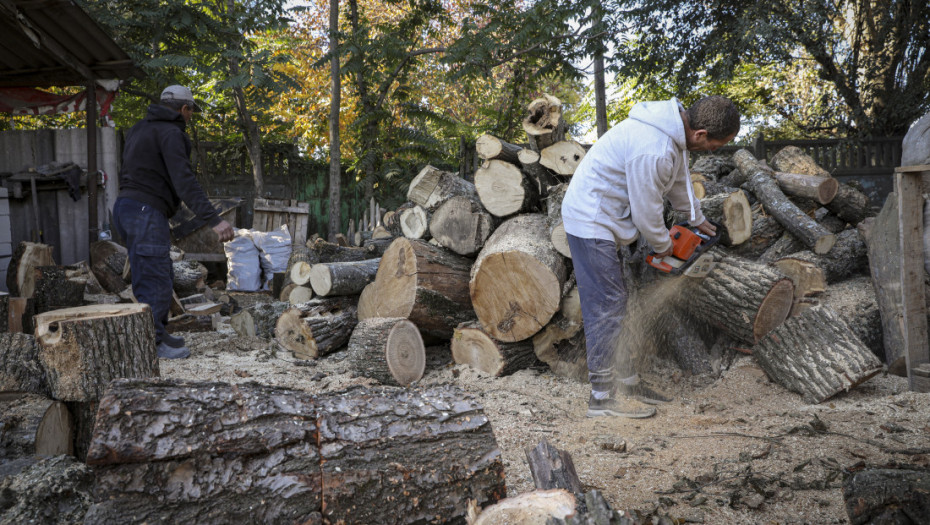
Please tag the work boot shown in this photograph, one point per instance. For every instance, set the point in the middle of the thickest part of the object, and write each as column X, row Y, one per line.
column 168, row 352
column 619, row 406
column 172, row 340
column 644, row 393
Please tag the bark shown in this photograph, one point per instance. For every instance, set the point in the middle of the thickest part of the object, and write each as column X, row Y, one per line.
column 885, row 269
column 259, row 320
column 317, row 328
column 543, row 123
column 83, row 349
column 31, row 425
column 561, row 344
column 544, row 177
column 815, row 355
column 743, row 298
column 820, row 189
column 678, row 336
column 348, row 278
column 474, row 347
column 763, row 186
column 56, row 289
column 432, row 187
column 377, row 247
column 490, row 147
column 552, row 468
column 766, row 231
column 562, row 157
column 20, row 369
column 389, row 350
column 505, row 190
column 321, row 251
column 516, row 281
column 849, row 257
column 4, row 312
column 189, row 278
column 50, row 490
column 462, row 225
column 855, row 302
column 335, row 145
column 423, row 283
column 887, row 495
column 20, row 276
column 414, row 223
column 554, row 214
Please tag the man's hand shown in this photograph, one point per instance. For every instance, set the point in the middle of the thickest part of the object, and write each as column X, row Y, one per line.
column 225, row 231
column 707, row 228
column 666, row 253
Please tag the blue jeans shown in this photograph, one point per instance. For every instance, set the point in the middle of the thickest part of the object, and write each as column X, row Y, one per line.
column 603, row 294
column 148, row 239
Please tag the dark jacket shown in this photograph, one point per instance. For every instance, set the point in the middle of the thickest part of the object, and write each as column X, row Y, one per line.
column 157, row 169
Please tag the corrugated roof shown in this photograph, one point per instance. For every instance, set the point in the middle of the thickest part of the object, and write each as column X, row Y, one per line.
column 55, row 43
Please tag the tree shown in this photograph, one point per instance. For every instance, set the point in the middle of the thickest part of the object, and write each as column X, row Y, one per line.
column 335, row 158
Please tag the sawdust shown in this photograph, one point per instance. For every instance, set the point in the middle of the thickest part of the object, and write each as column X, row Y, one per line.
column 730, row 449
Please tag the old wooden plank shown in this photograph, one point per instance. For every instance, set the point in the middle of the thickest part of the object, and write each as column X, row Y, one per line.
column 910, row 219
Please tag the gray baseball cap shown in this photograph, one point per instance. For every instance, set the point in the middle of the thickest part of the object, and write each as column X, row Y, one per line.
column 181, row 93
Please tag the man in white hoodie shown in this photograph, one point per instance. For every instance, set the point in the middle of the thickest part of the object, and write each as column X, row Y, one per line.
column 616, row 195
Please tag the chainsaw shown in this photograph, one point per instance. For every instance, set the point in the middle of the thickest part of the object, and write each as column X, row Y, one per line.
column 689, row 252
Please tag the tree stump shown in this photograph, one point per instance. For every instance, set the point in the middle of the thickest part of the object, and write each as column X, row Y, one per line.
column 82, row 349
column 423, row 283
column 745, row 299
column 543, row 123
column 389, row 350
column 107, row 260
column 562, row 157
column 554, row 214
column 815, row 355
column 490, row 147
column 432, row 187
column 20, row 276
column 474, row 347
column 504, row 190
column 414, row 222
column 32, row 425
column 516, row 281
column 20, row 369
column 462, row 225
column 318, row 327
column 348, row 278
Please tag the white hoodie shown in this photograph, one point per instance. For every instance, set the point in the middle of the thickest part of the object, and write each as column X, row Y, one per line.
column 618, row 189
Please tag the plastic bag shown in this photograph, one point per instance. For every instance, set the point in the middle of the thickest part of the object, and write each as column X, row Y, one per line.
column 275, row 248
column 916, row 144
column 243, row 263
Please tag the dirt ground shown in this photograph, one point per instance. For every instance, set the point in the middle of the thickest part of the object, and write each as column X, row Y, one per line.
column 735, row 448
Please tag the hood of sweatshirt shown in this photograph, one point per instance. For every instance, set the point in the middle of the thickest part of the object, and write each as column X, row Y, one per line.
column 159, row 112
column 664, row 115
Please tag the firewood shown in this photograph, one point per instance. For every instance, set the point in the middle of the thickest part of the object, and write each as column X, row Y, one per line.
column 505, row 190
column 543, row 123
column 348, row 278
column 887, row 495
column 20, row 276
column 189, row 277
column 299, row 273
column 744, row 299
column 713, row 167
column 300, row 294
column 318, row 327
column 388, row 350
column 55, row 289
column 258, row 320
column 766, row 231
column 432, row 187
column 516, row 281
column 84, row 348
column 856, row 303
column 20, row 368
column 490, row 147
column 414, row 222
column 529, row 160
column 562, row 157
column 763, row 186
column 679, row 336
column 561, row 344
column 377, row 247
column 106, row 261
column 552, row 468
column 731, row 211
column 320, row 251
column 423, row 283
column 537, row 506
column 554, row 215
column 807, row 277
column 474, row 347
column 393, row 222
column 55, row 489
column 815, row 355
column 820, row 189
column 848, row 257
column 462, row 225
column 286, row 292
column 32, row 424
column 697, row 184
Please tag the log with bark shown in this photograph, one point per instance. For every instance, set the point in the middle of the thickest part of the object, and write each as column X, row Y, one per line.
column 808, row 280
column 516, row 281
column 816, row 355
column 20, row 275
column 107, row 260
column 543, row 123
column 764, row 187
column 299, row 294
column 679, row 336
column 462, row 225
column 855, row 301
column 259, row 320
column 20, row 368
column 744, row 299
column 32, row 424
column 320, row 251
column 21, row 313
column 57, row 287
column 887, row 495
column 490, row 147
column 189, row 277
column 56, row 489
column 348, row 278
column 387, row 349
column 562, row 157
column 423, row 283
column 819, row 189
column 552, row 468
column 731, row 211
column 505, row 190
column 529, row 160
column 848, row 258
column 431, row 187
column 318, row 327
column 766, row 231
column 472, row 346
column 84, row 348
column 554, row 215
column 561, row 344
column 414, row 222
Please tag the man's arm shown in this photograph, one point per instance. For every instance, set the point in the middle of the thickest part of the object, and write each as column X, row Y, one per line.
column 647, row 204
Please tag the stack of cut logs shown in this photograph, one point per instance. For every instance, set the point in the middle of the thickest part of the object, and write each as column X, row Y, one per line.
column 487, row 266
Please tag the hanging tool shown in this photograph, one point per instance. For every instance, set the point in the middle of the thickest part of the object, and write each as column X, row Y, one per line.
column 689, row 252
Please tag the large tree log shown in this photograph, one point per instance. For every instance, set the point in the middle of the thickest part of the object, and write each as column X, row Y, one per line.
column 348, row 278
column 529, row 160
column 679, row 336
column 300, row 254
column 414, row 222
column 320, row 251
column 82, row 349
column 745, row 299
column 543, row 123
column 20, row 369
column 562, row 157
column 388, row 349
column 462, row 225
column 20, row 276
column 107, row 260
column 554, row 214
column 849, row 203
column 504, row 190
column 56, row 288
column 849, row 257
column 816, row 355
column 713, row 166
column 490, row 147
column 318, row 327
column 32, row 425
column 561, row 344
column 888, row 495
column 766, row 231
column 432, row 187
column 763, row 186
column 189, row 277
column 51, row 490
column 855, row 302
column 516, row 281
column 472, row 346
column 820, row 189
column 259, row 320
column 423, row 283
column 731, row 211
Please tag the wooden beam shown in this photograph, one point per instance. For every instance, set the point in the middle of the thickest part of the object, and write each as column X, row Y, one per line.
column 44, row 41
column 910, row 241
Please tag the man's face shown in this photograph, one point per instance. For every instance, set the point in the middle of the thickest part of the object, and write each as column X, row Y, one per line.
column 187, row 112
column 698, row 141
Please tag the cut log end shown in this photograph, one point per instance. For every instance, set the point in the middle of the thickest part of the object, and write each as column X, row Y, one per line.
column 320, row 279
column 738, row 216
column 300, row 294
column 824, row 244
column 300, row 272
column 827, row 190
column 404, row 353
column 560, row 240
column 774, row 308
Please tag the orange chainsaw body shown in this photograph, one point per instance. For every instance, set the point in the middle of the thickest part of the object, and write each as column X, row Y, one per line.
column 687, row 247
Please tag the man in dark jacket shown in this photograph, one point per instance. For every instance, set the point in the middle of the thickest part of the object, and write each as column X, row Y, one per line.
column 156, row 176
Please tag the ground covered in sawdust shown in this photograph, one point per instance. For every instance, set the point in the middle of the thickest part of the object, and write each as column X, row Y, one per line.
column 734, row 448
